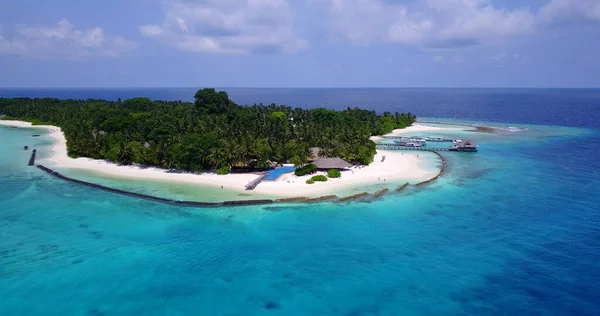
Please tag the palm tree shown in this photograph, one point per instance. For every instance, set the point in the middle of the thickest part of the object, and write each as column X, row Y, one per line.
column 297, row 161
column 217, row 156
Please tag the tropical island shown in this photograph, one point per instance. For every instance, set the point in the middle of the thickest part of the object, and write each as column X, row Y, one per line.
column 212, row 132
column 216, row 142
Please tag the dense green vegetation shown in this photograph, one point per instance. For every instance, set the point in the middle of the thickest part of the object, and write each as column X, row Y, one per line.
column 334, row 173
column 320, row 178
column 212, row 132
column 223, row 170
column 310, row 168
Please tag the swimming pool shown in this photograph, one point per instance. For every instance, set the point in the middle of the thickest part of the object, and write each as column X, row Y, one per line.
column 276, row 173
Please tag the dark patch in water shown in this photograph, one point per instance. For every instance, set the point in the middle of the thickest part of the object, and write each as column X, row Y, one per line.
column 433, row 213
column 47, row 248
column 169, row 290
column 286, row 208
column 275, row 208
column 287, row 275
column 271, row 305
column 96, row 312
column 184, row 214
column 182, row 232
column 227, row 279
column 77, row 261
column 372, row 309
column 83, row 226
column 97, row 235
column 11, row 218
column 477, row 173
column 411, row 254
column 6, row 253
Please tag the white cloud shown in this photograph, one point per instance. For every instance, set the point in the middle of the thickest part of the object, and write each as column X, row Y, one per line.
column 438, row 58
column 151, row 30
column 443, row 24
column 62, row 41
column 505, row 57
column 428, row 23
column 236, row 26
column 558, row 11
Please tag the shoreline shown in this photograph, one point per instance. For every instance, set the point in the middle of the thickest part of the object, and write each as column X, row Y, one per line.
column 397, row 166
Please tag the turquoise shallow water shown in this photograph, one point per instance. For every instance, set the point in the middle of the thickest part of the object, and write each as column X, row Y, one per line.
column 512, row 230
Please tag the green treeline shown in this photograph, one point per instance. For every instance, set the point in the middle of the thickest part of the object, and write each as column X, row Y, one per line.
column 211, row 132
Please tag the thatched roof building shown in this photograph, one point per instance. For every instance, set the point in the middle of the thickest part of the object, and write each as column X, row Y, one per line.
column 331, row 163
column 464, row 145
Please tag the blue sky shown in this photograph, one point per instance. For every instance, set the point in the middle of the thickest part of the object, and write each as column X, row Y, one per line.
column 293, row 43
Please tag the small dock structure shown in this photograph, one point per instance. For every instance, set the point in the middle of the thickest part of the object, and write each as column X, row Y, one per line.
column 413, row 138
column 464, row 146
column 252, row 184
column 458, row 145
column 400, row 147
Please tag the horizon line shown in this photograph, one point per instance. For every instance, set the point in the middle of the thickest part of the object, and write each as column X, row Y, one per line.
column 300, row 87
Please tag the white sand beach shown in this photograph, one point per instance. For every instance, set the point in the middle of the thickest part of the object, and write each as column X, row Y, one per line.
column 396, row 166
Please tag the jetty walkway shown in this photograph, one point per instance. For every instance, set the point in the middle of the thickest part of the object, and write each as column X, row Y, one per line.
column 398, row 147
column 255, row 182
column 430, row 139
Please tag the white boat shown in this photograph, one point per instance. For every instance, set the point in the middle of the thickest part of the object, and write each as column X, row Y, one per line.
column 413, row 144
column 435, row 139
column 405, row 142
column 418, row 140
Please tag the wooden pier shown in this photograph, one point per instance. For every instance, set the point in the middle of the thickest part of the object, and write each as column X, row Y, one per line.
column 398, row 147
column 429, row 139
column 255, row 182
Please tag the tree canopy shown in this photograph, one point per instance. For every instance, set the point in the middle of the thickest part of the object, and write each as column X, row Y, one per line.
column 211, row 132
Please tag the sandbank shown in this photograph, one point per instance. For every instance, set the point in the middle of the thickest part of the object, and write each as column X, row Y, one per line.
column 417, row 128
column 396, row 166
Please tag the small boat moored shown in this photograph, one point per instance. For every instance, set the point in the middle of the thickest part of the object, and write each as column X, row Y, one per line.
column 434, row 139
column 413, row 144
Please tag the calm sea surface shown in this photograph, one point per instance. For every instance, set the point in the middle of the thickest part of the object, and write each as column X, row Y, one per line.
column 512, row 230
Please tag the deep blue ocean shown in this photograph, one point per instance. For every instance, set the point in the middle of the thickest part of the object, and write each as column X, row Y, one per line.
column 511, row 230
